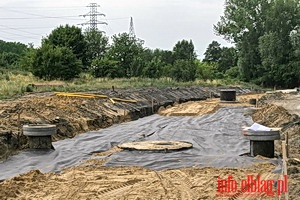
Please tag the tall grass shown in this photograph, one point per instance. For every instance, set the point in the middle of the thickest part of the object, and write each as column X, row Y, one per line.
column 14, row 84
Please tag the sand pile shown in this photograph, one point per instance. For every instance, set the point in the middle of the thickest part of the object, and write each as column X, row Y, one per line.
column 197, row 108
column 273, row 116
column 71, row 115
column 97, row 182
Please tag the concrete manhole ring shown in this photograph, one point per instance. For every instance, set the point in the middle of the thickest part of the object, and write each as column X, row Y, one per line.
column 39, row 129
column 156, row 145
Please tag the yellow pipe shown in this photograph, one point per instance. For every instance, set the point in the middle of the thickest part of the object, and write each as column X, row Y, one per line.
column 75, row 95
column 88, row 95
column 81, row 94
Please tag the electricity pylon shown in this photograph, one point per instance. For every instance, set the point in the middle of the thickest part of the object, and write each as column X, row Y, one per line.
column 93, row 14
column 131, row 28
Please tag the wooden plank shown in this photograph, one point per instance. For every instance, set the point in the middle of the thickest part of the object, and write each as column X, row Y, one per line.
column 112, row 100
column 284, row 159
column 124, row 100
column 287, row 144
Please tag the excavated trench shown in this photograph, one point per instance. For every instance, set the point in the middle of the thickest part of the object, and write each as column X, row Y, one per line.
column 207, row 133
column 73, row 116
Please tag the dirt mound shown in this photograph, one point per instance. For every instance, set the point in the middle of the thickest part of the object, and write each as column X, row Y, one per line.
column 97, row 182
column 199, row 108
column 190, row 109
column 273, row 116
column 71, row 115
column 266, row 99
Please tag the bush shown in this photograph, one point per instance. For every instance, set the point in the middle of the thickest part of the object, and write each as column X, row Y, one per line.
column 206, row 71
column 55, row 63
column 106, row 68
column 233, row 73
column 183, row 70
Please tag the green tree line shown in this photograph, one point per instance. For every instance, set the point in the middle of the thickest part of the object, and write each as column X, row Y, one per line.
column 265, row 37
column 68, row 51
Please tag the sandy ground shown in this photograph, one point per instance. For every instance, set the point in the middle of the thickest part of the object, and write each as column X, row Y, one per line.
column 97, row 182
column 291, row 103
column 199, row 108
column 93, row 181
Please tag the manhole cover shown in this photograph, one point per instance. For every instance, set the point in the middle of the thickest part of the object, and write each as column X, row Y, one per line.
column 156, row 145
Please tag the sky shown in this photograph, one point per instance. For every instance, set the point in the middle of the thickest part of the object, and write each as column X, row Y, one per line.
column 160, row 23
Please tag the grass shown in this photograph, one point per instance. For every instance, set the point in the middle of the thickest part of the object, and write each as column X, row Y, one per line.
column 14, row 84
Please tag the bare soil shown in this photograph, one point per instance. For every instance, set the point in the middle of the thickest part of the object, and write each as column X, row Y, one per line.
column 97, row 182
column 199, row 108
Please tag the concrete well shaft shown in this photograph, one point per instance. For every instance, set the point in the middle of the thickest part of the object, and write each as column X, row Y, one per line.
column 227, row 95
column 263, row 148
column 40, row 142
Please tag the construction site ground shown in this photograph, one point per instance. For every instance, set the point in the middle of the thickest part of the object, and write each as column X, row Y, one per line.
column 92, row 180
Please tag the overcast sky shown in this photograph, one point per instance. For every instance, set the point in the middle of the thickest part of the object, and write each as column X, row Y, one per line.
column 160, row 23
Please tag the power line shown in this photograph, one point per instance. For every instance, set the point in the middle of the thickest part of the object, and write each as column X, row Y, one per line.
column 6, row 38
column 17, row 34
column 93, row 14
column 45, row 17
column 19, row 30
column 61, row 17
column 46, row 8
column 26, row 28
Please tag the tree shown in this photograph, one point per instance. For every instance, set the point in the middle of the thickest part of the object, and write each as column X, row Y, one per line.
column 26, row 61
column 261, row 31
column 97, row 45
column 8, row 59
column 166, row 57
column 213, row 52
column 70, row 37
column 106, row 68
column 10, row 53
column 54, row 62
column 233, row 73
column 153, row 68
column 126, row 49
column 243, row 24
column 184, row 50
column 228, row 59
column 205, row 70
column 275, row 46
column 222, row 57
column 12, row 47
column 295, row 41
column 183, row 70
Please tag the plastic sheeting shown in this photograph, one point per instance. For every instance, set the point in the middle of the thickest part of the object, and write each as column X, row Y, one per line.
column 217, row 141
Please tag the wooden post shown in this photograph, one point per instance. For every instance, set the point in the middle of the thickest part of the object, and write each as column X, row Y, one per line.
column 152, row 105
column 284, row 165
column 287, row 144
column 19, row 126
